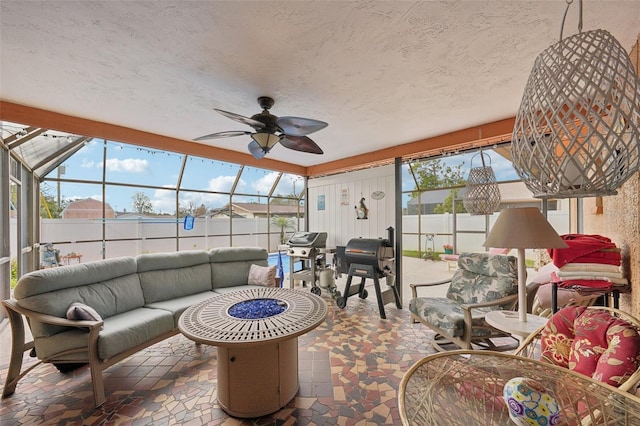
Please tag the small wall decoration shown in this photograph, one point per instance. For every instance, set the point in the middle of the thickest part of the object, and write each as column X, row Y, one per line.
column 377, row 195
column 344, row 197
column 362, row 212
column 320, row 202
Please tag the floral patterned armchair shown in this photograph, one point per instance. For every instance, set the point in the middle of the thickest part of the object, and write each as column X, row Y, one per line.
column 598, row 342
column 483, row 282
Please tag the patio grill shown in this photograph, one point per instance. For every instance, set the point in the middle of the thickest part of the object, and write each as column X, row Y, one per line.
column 310, row 248
column 370, row 258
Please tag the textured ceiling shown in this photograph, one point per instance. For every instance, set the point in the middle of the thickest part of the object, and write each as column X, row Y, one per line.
column 380, row 73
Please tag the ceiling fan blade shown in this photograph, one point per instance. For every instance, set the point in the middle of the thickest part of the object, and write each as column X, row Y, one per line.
column 241, row 119
column 301, row 143
column 298, row 126
column 256, row 150
column 218, row 135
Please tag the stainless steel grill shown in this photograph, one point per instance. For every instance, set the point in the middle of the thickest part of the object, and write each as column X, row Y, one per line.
column 305, row 244
column 310, row 248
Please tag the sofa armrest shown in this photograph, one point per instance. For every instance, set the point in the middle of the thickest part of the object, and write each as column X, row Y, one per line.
column 414, row 287
column 50, row 319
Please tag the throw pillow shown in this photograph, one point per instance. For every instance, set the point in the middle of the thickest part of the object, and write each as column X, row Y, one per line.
column 262, row 275
column 80, row 311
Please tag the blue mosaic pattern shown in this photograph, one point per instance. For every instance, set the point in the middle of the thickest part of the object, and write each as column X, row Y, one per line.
column 257, row 308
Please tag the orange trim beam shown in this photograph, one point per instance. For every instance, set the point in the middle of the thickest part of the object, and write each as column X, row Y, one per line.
column 477, row 136
column 81, row 126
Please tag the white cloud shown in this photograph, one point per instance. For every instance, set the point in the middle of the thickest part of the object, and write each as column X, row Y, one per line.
column 87, row 164
column 223, row 183
column 264, row 184
column 131, row 165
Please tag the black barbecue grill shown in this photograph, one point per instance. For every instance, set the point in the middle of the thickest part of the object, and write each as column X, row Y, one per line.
column 310, row 248
column 369, row 258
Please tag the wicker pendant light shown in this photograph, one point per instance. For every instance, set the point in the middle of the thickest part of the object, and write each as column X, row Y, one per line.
column 577, row 132
column 482, row 195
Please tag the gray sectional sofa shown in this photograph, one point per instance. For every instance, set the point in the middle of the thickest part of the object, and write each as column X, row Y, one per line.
column 139, row 300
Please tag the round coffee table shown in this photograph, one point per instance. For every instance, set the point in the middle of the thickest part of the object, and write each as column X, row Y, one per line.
column 256, row 331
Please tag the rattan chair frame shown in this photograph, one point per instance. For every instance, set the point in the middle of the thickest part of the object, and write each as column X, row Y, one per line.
column 465, row 387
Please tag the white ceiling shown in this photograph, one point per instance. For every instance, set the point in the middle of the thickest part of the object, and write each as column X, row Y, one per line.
column 381, row 73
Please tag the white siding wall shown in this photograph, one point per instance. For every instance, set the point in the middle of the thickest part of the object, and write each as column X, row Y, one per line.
column 339, row 221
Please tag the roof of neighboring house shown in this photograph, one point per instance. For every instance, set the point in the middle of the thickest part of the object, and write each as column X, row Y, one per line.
column 87, row 208
column 274, row 209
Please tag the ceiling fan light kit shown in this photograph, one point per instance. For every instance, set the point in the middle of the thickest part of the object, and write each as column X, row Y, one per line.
column 577, row 131
column 291, row 132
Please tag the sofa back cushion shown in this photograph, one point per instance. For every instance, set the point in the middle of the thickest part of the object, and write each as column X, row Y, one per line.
column 109, row 286
column 165, row 276
column 483, row 277
column 230, row 265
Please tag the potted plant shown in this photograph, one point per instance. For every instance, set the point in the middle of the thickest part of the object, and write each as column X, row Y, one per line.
column 448, row 249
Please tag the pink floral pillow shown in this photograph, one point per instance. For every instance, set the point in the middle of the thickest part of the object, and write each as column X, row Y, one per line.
column 593, row 343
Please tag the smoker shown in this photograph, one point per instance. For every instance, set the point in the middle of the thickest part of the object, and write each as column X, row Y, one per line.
column 310, row 248
column 370, row 258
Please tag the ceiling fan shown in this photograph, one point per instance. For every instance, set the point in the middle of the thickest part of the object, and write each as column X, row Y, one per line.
column 291, row 132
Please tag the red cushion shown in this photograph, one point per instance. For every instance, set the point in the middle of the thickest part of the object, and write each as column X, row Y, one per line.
column 592, row 342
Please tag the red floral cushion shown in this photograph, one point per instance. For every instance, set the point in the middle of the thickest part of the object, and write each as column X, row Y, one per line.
column 593, row 343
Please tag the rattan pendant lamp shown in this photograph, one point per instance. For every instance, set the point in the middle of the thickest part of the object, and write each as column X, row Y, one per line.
column 482, row 195
column 577, row 132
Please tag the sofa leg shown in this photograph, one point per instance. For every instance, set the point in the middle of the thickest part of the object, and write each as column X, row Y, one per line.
column 18, row 348
column 98, row 386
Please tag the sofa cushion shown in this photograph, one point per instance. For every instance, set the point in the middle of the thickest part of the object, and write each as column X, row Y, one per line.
column 447, row 315
column 178, row 305
column 121, row 332
column 166, row 276
column 230, row 265
column 483, row 278
column 132, row 328
column 111, row 292
column 592, row 342
column 52, row 279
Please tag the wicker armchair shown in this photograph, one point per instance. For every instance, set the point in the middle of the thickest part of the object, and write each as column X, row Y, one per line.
column 600, row 342
column 483, row 282
column 467, row 387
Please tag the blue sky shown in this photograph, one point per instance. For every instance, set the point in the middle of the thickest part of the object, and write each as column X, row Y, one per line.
column 142, row 166
column 160, row 169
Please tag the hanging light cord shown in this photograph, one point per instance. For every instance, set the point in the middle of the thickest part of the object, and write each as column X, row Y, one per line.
column 564, row 17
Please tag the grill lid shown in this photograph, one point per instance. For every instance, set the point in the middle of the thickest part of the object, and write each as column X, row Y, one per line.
column 308, row 239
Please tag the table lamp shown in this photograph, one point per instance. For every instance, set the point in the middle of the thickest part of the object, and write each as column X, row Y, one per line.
column 523, row 228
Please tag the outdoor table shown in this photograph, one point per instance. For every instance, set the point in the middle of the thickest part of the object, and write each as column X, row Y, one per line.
column 257, row 353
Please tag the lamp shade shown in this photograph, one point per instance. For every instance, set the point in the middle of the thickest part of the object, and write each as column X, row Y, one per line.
column 265, row 140
column 523, row 228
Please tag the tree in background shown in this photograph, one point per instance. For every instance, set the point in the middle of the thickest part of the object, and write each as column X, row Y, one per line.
column 283, row 223
column 447, row 204
column 284, row 200
column 49, row 208
column 434, row 174
column 141, row 203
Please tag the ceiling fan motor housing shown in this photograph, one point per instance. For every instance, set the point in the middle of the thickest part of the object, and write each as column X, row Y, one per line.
column 269, row 120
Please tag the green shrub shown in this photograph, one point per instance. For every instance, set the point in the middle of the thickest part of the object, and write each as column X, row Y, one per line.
column 14, row 272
